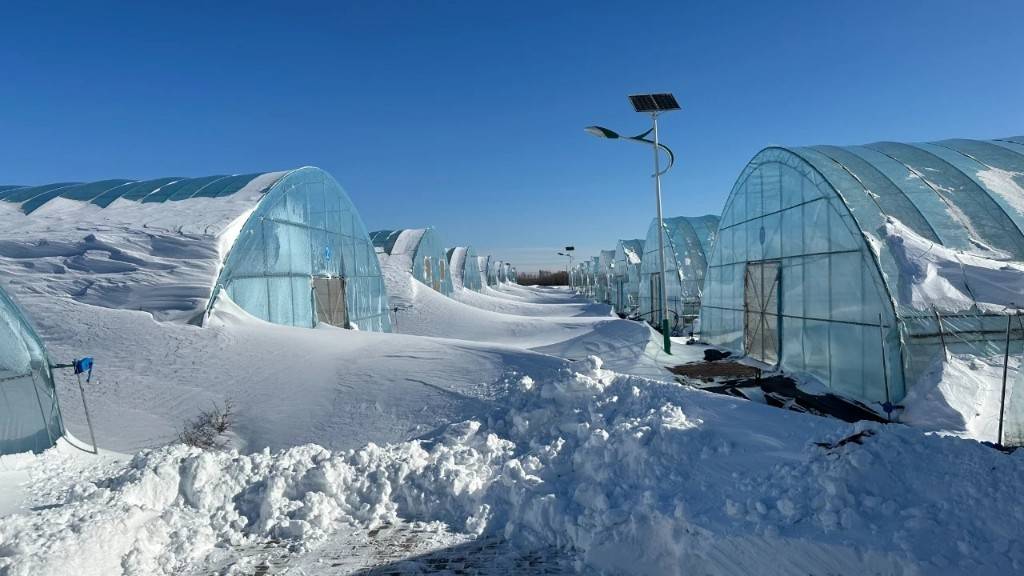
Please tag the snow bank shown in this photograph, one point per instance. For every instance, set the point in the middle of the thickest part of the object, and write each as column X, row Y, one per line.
column 961, row 396
column 931, row 275
column 634, row 476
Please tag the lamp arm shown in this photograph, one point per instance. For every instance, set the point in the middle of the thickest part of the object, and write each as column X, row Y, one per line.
column 671, row 156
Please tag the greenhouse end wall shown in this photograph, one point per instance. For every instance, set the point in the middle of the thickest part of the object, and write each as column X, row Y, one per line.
column 688, row 241
column 305, row 226
column 29, row 412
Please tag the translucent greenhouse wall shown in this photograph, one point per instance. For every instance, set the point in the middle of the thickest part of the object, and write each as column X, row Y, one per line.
column 626, row 276
column 305, row 226
column 467, row 268
column 29, row 413
column 425, row 251
column 438, row 276
column 494, row 275
column 605, row 271
column 688, row 241
column 821, row 217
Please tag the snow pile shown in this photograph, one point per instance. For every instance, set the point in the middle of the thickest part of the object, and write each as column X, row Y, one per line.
column 931, row 275
column 634, row 476
column 458, row 266
column 961, row 396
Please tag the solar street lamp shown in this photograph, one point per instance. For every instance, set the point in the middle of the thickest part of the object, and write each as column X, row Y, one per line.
column 652, row 104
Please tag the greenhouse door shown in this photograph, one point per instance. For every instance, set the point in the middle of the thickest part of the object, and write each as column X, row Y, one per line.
column 428, row 272
column 761, row 306
column 620, row 294
column 656, row 300
column 329, row 296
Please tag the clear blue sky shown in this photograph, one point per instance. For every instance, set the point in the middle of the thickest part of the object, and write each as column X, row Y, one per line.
column 468, row 115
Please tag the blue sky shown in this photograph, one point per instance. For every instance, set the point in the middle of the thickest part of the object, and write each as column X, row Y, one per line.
column 468, row 115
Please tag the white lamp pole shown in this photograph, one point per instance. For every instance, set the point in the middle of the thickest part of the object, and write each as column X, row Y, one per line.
column 653, row 104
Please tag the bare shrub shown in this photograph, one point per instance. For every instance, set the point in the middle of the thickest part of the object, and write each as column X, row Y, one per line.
column 207, row 429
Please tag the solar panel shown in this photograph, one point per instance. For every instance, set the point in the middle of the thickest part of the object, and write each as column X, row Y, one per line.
column 665, row 101
column 643, row 103
column 661, row 102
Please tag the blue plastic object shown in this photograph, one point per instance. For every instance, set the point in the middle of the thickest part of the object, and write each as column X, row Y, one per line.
column 84, row 366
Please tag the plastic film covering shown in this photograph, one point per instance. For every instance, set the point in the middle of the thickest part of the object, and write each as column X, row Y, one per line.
column 626, row 276
column 105, row 192
column 846, row 226
column 305, row 226
column 462, row 261
column 604, row 272
column 424, row 248
column 495, row 275
column 688, row 241
column 29, row 413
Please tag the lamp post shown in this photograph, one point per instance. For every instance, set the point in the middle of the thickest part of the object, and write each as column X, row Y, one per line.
column 652, row 104
column 568, row 268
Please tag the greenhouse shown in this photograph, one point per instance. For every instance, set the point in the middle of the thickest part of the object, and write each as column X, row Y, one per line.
column 867, row 266
column 495, row 276
column 688, row 242
column 29, row 413
column 288, row 247
column 626, row 276
column 605, row 271
column 425, row 253
column 465, row 271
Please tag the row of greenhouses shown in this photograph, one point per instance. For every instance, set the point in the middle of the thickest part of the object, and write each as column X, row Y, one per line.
column 865, row 267
column 287, row 247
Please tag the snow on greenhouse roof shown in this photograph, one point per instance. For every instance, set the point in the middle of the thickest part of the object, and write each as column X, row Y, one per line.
column 156, row 245
column 633, row 250
column 105, row 192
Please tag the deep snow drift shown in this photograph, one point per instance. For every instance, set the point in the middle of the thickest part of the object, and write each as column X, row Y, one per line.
column 632, row 475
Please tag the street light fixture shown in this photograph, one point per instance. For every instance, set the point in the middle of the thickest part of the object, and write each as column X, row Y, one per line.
column 568, row 269
column 652, row 104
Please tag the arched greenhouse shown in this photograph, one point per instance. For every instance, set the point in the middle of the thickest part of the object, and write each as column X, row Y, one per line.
column 288, row 247
column 626, row 276
column 688, row 241
column 425, row 253
column 866, row 266
column 29, row 412
column 465, row 270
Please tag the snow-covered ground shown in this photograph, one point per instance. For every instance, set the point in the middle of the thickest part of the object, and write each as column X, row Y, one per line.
column 489, row 419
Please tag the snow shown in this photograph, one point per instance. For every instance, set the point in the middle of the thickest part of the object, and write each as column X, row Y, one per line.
column 932, row 276
column 636, row 476
column 1006, row 185
column 458, row 266
column 160, row 257
column 961, row 396
column 518, row 413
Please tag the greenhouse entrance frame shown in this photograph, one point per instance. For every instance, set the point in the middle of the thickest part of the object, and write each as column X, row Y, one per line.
column 761, row 336
column 329, row 300
column 656, row 288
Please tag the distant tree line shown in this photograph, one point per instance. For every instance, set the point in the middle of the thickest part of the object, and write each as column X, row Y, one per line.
column 543, row 278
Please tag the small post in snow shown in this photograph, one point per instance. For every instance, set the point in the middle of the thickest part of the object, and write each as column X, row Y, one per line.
column 83, row 366
column 1006, row 363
